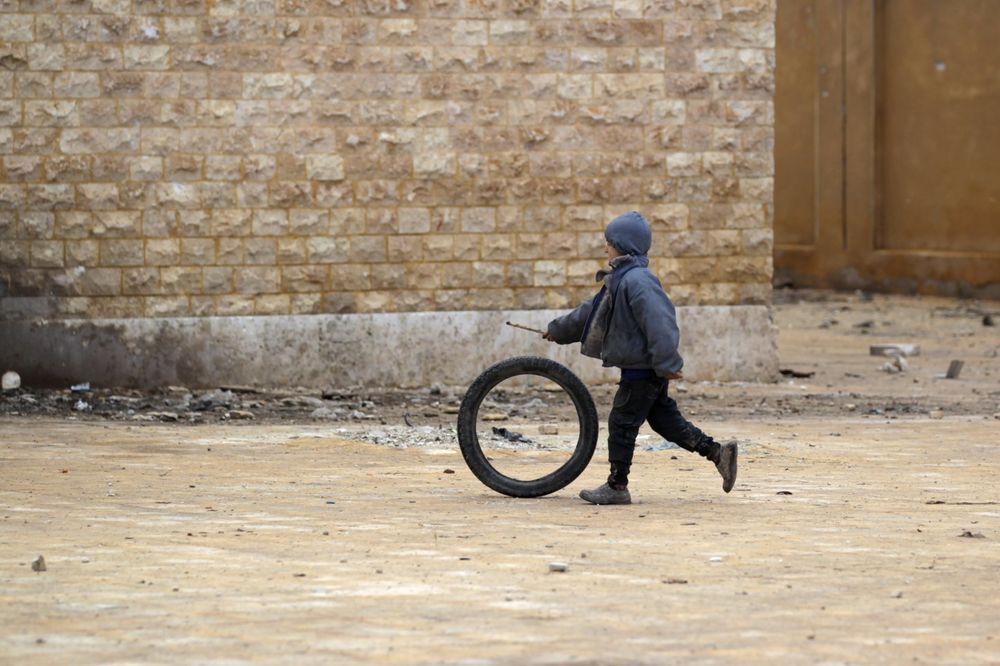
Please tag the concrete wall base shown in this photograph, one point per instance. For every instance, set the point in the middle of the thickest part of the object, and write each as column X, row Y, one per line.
column 338, row 351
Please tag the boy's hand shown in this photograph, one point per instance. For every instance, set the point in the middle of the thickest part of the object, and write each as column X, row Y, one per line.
column 675, row 375
column 546, row 336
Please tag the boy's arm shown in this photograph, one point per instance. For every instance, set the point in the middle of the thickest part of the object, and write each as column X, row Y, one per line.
column 569, row 327
column 658, row 320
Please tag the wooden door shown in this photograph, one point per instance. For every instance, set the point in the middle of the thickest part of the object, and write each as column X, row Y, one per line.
column 887, row 153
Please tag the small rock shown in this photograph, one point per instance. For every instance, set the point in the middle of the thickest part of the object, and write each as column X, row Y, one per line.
column 558, row 566
column 449, row 471
column 954, row 369
column 325, row 413
column 38, row 564
column 965, row 534
column 10, row 381
column 302, row 401
column 850, row 407
column 164, row 416
column 241, row 415
column 988, row 320
column 675, row 581
column 215, row 399
column 494, row 416
column 548, row 429
column 936, row 414
column 82, row 406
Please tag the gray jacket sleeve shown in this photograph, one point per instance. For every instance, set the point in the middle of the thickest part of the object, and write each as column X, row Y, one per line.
column 569, row 327
column 657, row 318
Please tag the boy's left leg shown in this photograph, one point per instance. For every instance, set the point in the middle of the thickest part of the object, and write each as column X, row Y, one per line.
column 631, row 406
column 666, row 420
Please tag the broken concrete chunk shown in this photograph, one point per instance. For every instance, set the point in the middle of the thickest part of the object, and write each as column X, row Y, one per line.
column 897, row 364
column 11, row 380
column 894, row 349
column 558, row 566
column 548, row 429
column 954, row 369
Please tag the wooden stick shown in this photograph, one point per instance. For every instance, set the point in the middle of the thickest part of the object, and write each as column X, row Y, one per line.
column 526, row 328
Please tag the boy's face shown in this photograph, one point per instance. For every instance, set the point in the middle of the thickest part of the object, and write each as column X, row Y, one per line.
column 610, row 249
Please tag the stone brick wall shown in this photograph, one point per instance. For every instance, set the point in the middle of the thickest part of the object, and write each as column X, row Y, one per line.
column 171, row 158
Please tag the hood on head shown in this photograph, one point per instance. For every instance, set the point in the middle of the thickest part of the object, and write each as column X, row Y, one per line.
column 630, row 234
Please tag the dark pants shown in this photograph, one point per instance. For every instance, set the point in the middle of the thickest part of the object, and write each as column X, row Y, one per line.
column 646, row 400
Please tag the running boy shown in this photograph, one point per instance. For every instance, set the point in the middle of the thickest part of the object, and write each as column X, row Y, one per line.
column 631, row 324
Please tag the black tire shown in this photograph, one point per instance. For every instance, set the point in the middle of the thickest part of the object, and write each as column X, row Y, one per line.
column 468, row 415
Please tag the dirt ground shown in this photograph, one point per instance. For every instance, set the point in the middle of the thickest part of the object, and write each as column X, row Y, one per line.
column 864, row 526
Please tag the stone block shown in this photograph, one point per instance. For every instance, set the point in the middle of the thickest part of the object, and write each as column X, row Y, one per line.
column 121, row 252
column 291, row 251
column 117, row 224
column 49, row 197
column 82, row 253
column 414, row 220
column 549, row 273
column 197, row 251
column 234, row 305
column 140, row 281
column 327, row 249
column 47, row 254
column 325, row 167
column 257, row 280
column 349, row 277
column 479, row 220
column 260, row 251
column 272, row 304
column 303, row 278
column 270, row 222
column 97, row 196
column 38, row 225
column 367, row 249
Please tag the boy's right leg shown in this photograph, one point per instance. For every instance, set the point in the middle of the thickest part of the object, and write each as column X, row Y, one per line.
column 666, row 420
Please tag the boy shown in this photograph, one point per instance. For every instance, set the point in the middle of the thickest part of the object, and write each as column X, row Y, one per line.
column 631, row 324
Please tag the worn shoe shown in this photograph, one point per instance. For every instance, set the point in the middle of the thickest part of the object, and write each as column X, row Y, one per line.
column 607, row 495
column 727, row 465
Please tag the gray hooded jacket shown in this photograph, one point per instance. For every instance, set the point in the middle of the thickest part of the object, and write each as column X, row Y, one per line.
column 631, row 322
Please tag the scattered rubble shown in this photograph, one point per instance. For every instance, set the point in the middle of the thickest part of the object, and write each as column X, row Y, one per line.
column 38, row 564
column 897, row 364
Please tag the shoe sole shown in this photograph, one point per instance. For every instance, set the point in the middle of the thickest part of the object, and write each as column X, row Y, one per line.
column 595, row 502
column 726, row 487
